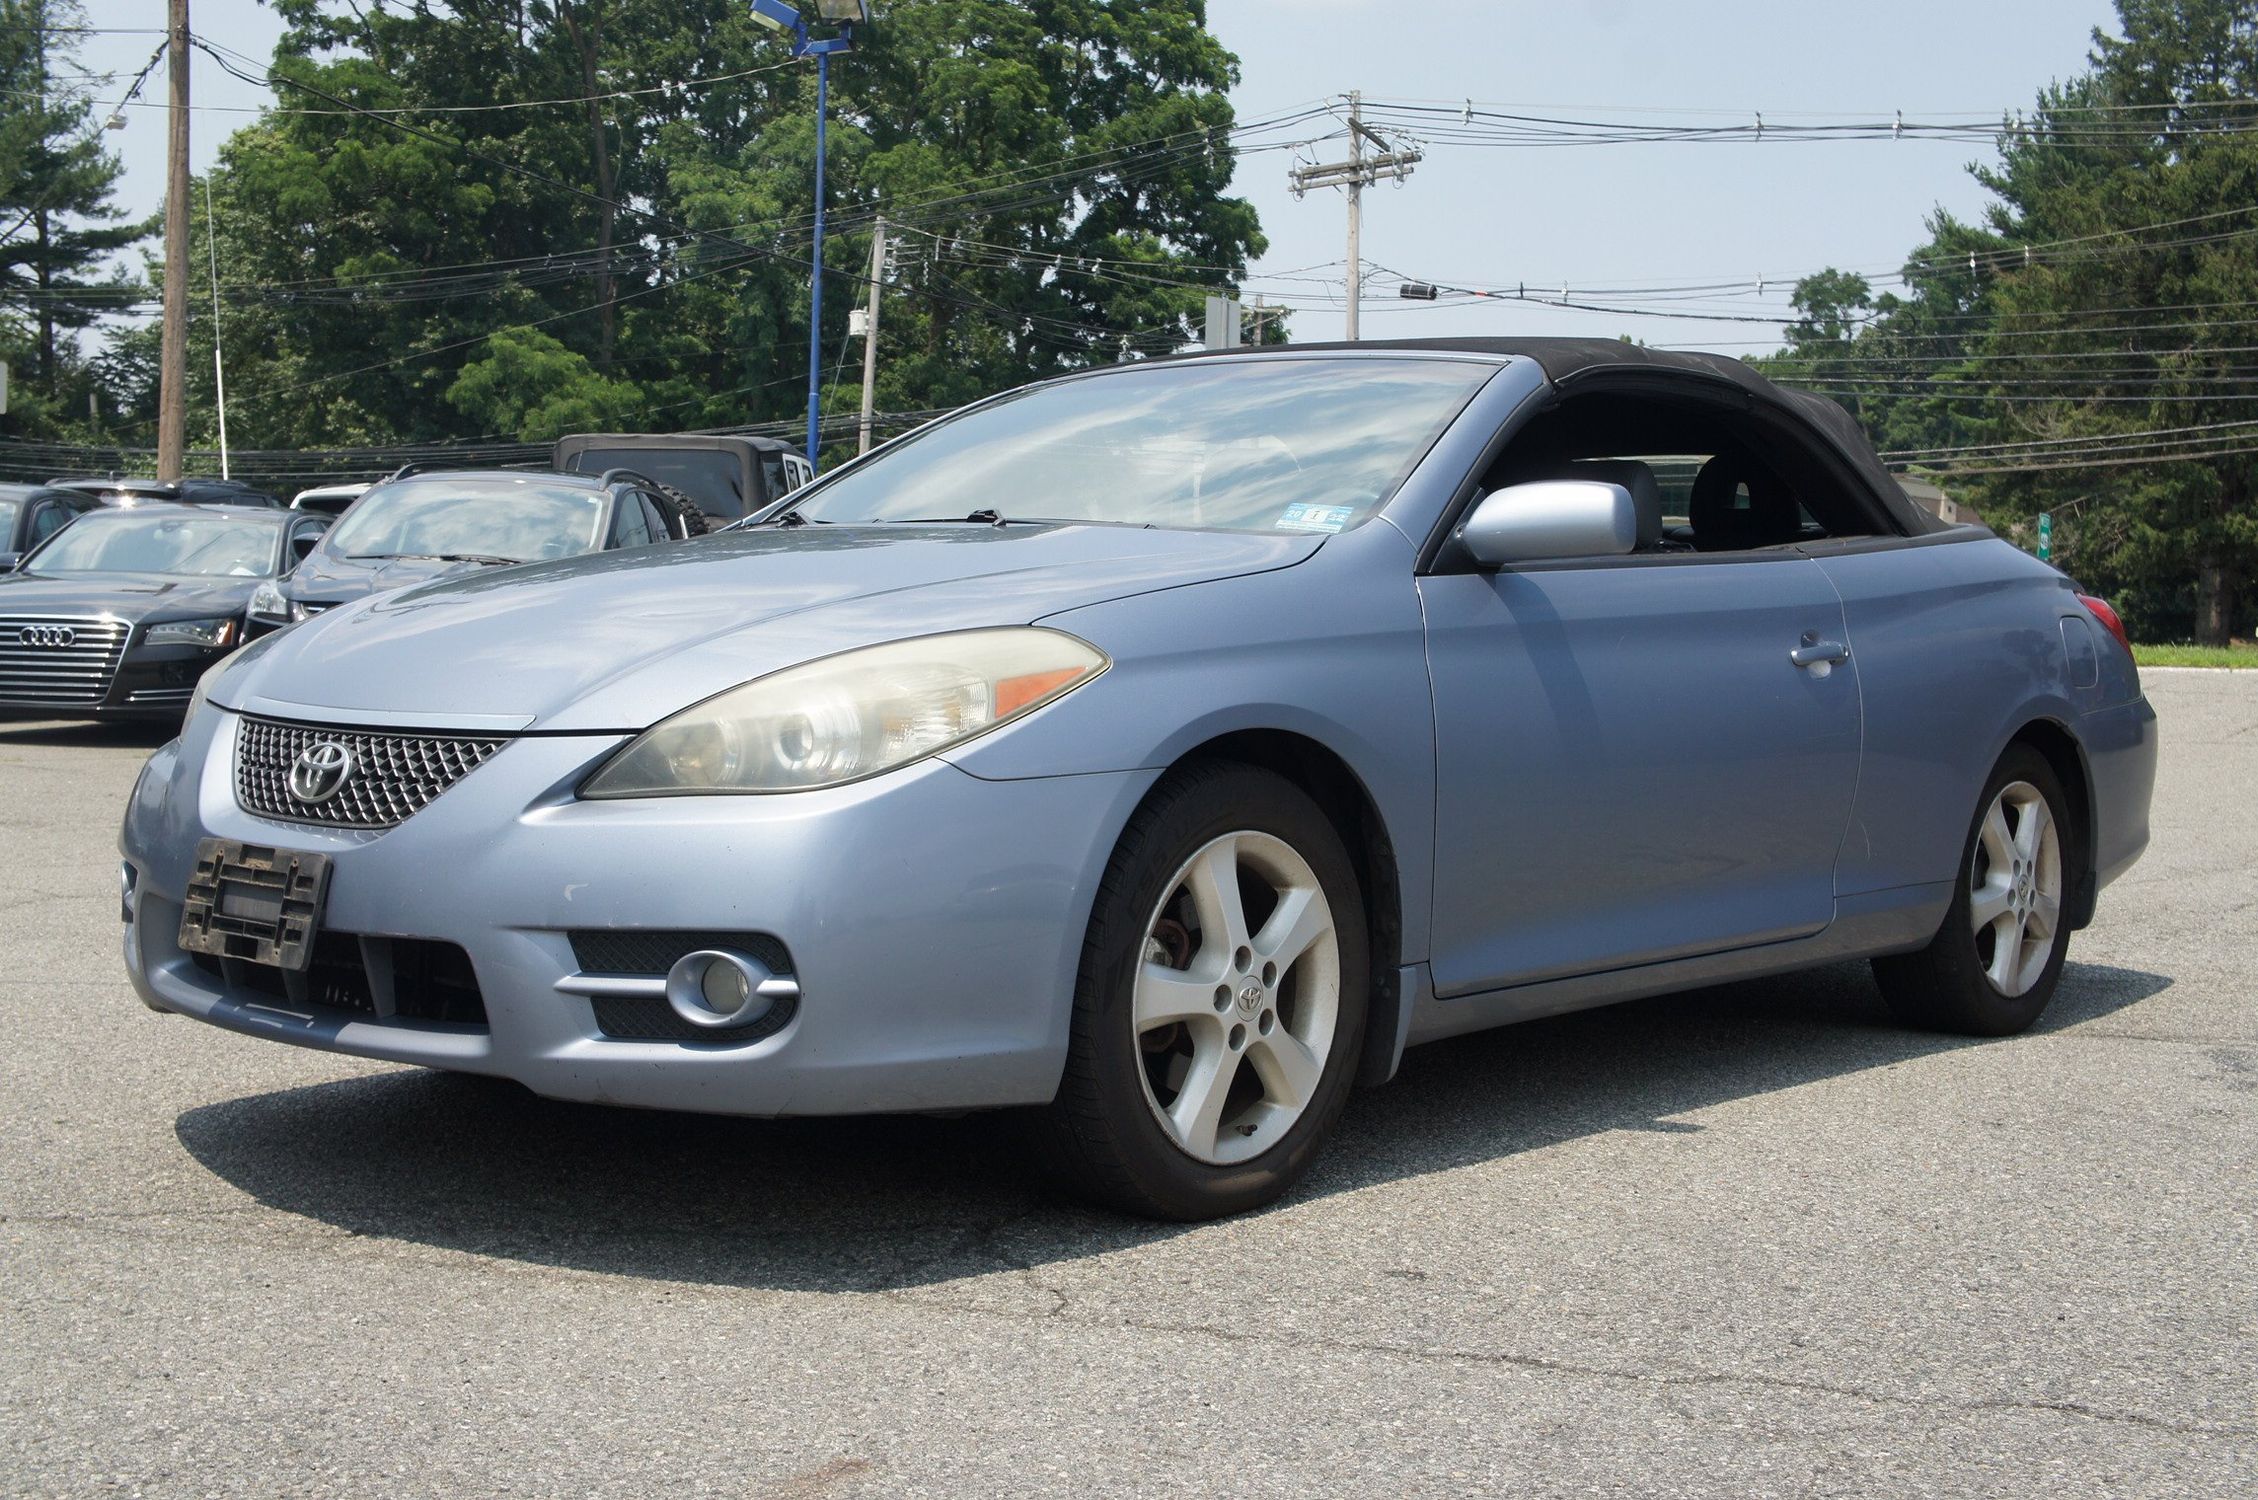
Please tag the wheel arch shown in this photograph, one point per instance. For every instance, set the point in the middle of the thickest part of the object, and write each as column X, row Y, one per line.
column 2066, row 756
column 1336, row 788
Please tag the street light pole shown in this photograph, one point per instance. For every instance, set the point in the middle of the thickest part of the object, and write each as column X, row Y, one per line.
column 778, row 15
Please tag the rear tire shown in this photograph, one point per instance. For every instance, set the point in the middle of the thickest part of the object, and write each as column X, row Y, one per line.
column 1219, row 1012
column 1993, row 965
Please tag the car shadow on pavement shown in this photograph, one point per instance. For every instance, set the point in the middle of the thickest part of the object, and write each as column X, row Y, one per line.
column 483, row 1166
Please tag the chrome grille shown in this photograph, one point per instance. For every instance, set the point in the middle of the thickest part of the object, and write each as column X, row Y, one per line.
column 59, row 661
column 394, row 776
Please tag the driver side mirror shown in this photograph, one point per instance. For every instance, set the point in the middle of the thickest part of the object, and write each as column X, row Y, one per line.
column 302, row 546
column 9, row 561
column 1551, row 518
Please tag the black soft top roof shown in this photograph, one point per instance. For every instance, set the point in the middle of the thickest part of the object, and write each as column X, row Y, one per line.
column 581, row 442
column 1565, row 361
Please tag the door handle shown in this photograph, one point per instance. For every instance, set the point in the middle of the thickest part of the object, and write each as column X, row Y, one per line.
column 1814, row 652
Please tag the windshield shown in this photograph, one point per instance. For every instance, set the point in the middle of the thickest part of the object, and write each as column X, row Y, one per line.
column 1271, row 445
column 185, row 542
column 518, row 517
column 8, row 508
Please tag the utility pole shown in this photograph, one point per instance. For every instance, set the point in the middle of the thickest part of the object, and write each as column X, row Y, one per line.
column 870, row 335
column 172, row 368
column 1356, row 212
column 1356, row 174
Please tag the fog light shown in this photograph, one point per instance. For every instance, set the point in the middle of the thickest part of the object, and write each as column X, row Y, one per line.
column 717, row 988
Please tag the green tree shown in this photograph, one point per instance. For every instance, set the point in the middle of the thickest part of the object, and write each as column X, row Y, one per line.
column 1057, row 171
column 2109, row 292
column 59, row 226
column 529, row 386
column 2153, row 221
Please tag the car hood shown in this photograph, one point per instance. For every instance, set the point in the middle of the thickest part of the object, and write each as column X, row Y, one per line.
column 619, row 640
column 139, row 597
column 326, row 578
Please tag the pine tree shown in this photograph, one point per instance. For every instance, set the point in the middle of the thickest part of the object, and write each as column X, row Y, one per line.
column 59, row 223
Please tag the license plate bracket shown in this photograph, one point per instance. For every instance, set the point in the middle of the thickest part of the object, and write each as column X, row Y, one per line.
column 254, row 902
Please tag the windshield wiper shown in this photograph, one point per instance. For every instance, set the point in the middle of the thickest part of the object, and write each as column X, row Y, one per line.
column 469, row 557
column 981, row 517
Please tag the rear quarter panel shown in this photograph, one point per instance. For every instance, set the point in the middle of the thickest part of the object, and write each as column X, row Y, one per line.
column 1959, row 644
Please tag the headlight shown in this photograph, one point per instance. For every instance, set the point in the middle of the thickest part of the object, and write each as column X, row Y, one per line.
column 850, row 716
column 240, row 656
column 206, row 633
column 268, row 604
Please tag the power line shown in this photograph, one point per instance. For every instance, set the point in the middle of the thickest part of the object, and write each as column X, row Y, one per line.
column 2147, row 432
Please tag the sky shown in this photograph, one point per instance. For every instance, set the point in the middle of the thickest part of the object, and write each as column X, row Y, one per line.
column 1503, row 216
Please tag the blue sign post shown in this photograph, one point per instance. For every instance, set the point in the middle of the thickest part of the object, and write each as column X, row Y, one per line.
column 779, row 16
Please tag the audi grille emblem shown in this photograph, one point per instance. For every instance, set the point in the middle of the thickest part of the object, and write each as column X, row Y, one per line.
column 320, row 772
column 55, row 637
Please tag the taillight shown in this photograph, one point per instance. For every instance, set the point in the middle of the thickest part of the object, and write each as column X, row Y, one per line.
column 2107, row 617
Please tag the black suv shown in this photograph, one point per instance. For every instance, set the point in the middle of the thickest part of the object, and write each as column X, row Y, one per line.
column 726, row 476
column 31, row 513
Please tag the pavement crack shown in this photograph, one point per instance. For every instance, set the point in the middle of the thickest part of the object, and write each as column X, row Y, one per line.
column 1697, row 1378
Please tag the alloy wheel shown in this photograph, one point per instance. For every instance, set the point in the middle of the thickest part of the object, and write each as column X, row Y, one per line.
column 2015, row 888
column 1237, row 997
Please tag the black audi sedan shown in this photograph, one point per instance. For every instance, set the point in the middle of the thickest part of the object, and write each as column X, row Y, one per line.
column 117, row 615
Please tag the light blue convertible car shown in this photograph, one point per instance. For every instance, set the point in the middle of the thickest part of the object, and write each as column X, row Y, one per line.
column 1165, row 748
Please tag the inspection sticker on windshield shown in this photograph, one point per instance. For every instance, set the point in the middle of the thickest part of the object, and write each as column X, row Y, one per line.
column 1314, row 518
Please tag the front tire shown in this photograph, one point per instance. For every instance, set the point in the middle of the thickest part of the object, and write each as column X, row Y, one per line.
column 1219, row 1012
column 1993, row 966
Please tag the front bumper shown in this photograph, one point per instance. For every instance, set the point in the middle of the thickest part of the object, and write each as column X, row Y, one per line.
column 934, row 920
column 150, row 684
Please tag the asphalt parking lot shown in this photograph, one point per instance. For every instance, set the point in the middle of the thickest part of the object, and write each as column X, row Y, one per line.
column 1753, row 1241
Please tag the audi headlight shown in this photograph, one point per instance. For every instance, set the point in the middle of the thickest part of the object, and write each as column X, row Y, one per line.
column 210, row 634
column 241, row 656
column 850, row 716
column 268, row 604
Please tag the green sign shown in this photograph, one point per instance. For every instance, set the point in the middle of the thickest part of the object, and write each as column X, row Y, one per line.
column 2045, row 536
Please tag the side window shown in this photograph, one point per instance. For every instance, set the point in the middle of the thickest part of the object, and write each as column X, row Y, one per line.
column 47, row 518
column 1701, row 480
column 654, row 520
column 774, row 476
column 303, row 536
column 629, row 529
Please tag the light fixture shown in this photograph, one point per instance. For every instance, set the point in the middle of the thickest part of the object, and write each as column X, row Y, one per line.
column 776, row 15
column 843, row 12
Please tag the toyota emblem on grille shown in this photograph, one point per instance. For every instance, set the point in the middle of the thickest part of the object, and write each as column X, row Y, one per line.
column 320, row 772
column 54, row 637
